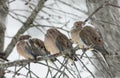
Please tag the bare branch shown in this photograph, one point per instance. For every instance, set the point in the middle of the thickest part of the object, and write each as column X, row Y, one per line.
column 87, row 68
column 100, row 7
column 73, row 7
column 24, row 62
column 113, row 5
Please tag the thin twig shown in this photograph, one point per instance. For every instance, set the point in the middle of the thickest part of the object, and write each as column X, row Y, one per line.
column 49, row 70
column 87, row 68
column 64, row 63
column 31, row 73
column 18, row 70
column 77, row 70
column 107, row 70
column 113, row 5
column 11, row 1
column 67, row 68
column 100, row 7
column 10, row 71
column 72, row 6
column 51, row 67
column 95, row 66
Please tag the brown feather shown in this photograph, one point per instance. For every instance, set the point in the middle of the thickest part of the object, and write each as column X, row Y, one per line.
column 30, row 48
column 57, row 42
column 38, row 47
column 87, row 36
column 21, row 50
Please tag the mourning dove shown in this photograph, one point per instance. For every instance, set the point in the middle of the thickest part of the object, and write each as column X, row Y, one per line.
column 30, row 48
column 87, row 36
column 56, row 42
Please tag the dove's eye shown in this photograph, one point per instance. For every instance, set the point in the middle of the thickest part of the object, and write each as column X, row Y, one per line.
column 77, row 24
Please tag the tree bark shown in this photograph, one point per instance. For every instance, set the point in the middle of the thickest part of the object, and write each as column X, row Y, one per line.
column 3, row 16
column 106, row 20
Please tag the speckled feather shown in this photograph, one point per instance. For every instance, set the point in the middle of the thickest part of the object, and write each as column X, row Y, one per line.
column 30, row 48
column 91, row 37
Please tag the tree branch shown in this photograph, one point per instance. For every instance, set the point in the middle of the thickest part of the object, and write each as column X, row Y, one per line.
column 24, row 62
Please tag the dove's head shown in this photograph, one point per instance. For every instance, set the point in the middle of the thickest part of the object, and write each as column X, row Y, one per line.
column 77, row 25
column 53, row 32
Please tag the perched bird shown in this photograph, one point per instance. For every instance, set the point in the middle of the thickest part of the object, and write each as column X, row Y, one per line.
column 30, row 48
column 87, row 36
column 56, row 42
